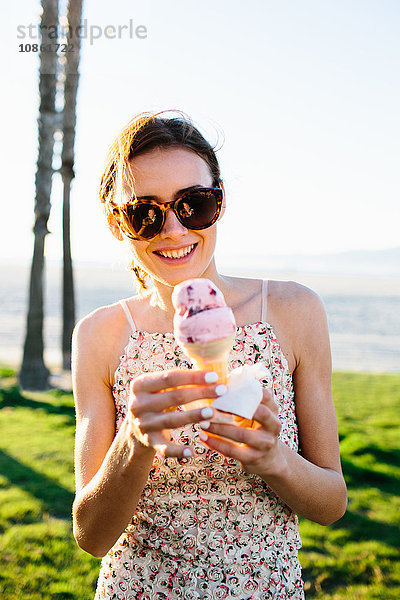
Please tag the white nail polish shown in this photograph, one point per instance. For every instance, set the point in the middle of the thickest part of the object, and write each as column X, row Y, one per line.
column 203, row 436
column 187, row 452
column 211, row 377
column 204, row 424
column 207, row 412
column 220, row 389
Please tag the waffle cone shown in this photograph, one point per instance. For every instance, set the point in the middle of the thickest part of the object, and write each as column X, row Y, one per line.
column 211, row 357
column 212, row 351
column 219, row 367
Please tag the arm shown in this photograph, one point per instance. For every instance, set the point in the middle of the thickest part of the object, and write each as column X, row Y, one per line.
column 111, row 472
column 311, row 483
column 106, row 468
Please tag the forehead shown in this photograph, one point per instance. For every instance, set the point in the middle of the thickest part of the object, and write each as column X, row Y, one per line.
column 166, row 170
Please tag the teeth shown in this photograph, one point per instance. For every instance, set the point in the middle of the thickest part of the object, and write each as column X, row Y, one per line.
column 176, row 253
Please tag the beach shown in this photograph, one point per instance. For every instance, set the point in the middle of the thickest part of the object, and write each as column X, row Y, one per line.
column 363, row 311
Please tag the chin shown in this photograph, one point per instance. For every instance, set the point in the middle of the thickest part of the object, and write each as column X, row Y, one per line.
column 172, row 279
column 171, row 275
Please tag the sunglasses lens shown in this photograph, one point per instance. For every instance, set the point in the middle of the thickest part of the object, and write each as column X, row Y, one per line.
column 198, row 209
column 145, row 219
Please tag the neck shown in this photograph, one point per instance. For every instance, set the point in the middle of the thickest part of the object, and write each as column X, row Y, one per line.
column 162, row 292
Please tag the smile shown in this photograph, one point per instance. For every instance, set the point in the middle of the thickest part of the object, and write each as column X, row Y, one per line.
column 178, row 253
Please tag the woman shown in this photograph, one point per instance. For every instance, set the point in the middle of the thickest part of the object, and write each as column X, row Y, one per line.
column 179, row 506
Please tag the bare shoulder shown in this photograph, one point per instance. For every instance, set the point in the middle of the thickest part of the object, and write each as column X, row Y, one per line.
column 98, row 328
column 292, row 292
column 294, row 301
column 99, row 339
column 99, row 321
column 299, row 318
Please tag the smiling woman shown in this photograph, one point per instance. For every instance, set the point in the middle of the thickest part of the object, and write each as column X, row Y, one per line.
column 176, row 181
column 180, row 504
column 165, row 151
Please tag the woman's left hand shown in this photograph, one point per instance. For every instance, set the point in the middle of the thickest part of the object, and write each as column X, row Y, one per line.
column 256, row 448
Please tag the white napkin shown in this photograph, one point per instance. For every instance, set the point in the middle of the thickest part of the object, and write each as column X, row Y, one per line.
column 244, row 391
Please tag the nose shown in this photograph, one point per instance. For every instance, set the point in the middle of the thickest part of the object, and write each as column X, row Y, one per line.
column 172, row 227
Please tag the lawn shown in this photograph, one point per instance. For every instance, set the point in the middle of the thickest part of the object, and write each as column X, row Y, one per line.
column 356, row 558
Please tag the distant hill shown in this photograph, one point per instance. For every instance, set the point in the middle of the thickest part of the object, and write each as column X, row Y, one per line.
column 369, row 263
column 358, row 262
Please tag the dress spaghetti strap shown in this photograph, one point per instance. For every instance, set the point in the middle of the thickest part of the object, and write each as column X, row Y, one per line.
column 128, row 314
column 264, row 300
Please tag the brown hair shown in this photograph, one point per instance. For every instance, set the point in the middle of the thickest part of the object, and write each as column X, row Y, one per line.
column 142, row 134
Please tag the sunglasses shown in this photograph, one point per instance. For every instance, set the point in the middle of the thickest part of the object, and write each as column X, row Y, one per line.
column 195, row 209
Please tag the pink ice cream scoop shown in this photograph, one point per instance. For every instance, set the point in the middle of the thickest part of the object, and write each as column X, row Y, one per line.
column 205, row 329
column 201, row 314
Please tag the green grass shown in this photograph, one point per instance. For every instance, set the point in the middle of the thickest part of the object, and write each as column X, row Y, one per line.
column 39, row 559
column 356, row 558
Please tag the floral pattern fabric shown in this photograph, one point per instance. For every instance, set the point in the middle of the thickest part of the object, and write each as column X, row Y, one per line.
column 204, row 528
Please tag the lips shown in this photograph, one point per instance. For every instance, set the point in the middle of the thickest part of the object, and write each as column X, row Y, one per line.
column 176, row 253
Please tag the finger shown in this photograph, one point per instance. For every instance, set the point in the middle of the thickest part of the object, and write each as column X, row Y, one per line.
column 269, row 400
column 254, row 438
column 172, row 450
column 150, row 422
column 164, row 380
column 243, row 454
column 181, row 396
column 268, row 419
column 157, row 403
column 160, row 443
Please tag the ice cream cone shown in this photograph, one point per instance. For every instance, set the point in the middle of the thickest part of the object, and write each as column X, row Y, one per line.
column 204, row 327
column 212, row 356
column 220, row 367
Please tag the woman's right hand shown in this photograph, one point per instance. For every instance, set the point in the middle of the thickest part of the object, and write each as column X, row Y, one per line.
column 153, row 398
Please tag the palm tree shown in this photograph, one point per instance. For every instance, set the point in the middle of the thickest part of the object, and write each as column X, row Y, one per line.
column 34, row 373
column 74, row 15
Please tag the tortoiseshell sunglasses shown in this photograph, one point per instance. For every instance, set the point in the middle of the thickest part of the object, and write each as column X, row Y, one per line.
column 144, row 219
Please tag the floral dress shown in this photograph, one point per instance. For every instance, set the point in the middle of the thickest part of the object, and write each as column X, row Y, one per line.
column 204, row 528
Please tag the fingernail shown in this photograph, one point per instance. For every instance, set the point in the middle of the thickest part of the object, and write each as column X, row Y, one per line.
column 220, row 389
column 211, row 377
column 204, row 424
column 203, row 436
column 207, row 412
column 187, row 452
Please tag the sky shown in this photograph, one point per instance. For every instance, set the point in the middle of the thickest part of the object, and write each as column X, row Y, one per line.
column 301, row 96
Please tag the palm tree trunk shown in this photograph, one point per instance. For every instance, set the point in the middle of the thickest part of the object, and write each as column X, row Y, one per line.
column 74, row 16
column 68, row 280
column 34, row 374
